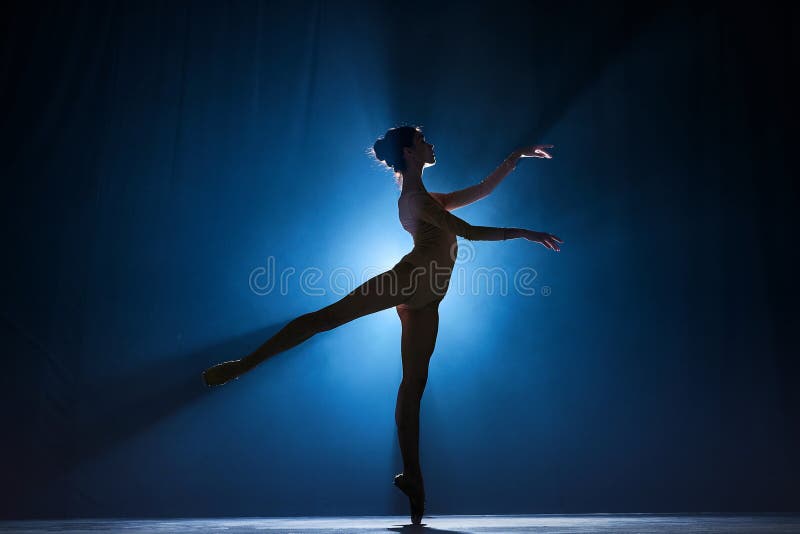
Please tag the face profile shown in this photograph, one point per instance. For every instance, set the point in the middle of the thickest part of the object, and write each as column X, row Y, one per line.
column 421, row 151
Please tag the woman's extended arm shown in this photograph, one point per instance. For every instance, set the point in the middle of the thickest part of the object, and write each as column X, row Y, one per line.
column 473, row 193
column 428, row 210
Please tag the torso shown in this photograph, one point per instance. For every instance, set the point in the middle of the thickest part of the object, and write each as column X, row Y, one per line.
column 433, row 254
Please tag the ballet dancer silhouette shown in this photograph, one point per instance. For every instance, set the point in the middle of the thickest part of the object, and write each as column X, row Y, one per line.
column 414, row 286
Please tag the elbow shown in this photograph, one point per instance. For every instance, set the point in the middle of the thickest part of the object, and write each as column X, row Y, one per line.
column 446, row 200
column 468, row 233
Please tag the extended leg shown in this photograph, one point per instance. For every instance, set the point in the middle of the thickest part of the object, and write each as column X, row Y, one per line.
column 378, row 293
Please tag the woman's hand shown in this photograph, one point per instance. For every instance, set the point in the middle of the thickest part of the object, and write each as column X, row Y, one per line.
column 548, row 240
column 534, row 151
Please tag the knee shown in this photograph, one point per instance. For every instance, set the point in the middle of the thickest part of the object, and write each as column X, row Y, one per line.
column 318, row 321
column 414, row 386
column 305, row 325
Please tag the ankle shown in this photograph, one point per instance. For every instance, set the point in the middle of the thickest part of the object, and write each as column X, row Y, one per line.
column 414, row 476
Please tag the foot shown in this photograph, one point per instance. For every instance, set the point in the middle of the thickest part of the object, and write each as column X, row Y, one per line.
column 415, row 490
column 223, row 372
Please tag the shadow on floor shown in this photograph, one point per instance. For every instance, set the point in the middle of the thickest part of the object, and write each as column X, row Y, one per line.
column 411, row 529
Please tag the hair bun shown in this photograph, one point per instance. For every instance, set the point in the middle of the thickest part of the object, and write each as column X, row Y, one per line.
column 379, row 147
column 389, row 148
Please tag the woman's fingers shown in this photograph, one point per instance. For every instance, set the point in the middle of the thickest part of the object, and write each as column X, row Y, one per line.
column 552, row 243
column 537, row 151
column 546, row 240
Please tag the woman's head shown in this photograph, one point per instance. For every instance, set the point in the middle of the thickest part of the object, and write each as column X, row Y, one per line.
column 402, row 148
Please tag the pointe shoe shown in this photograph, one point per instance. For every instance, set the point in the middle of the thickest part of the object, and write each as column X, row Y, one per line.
column 223, row 372
column 415, row 491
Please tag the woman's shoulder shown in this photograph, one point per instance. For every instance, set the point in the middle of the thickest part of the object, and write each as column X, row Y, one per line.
column 417, row 200
column 417, row 195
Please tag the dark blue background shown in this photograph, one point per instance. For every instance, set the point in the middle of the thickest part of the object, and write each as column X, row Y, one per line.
column 155, row 153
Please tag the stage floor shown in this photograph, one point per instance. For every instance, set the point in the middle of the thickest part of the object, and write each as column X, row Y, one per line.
column 551, row 524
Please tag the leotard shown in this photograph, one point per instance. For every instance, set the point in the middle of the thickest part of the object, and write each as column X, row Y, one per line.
column 434, row 230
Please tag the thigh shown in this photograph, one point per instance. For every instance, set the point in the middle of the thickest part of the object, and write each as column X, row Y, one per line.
column 420, row 329
column 380, row 292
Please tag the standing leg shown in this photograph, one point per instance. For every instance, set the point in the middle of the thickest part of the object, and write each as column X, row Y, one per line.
column 418, row 340
column 380, row 292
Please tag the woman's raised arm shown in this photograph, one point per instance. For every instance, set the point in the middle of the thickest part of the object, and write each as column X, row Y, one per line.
column 473, row 193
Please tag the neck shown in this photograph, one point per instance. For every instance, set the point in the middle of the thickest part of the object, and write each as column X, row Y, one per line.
column 412, row 179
